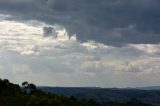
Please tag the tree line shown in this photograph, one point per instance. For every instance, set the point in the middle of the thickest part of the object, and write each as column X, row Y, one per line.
column 28, row 95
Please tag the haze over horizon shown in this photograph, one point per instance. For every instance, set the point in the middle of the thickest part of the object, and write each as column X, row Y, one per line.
column 98, row 43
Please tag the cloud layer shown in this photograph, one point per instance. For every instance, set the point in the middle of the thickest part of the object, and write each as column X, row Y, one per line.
column 111, row 22
column 103, row 43
column 47, row 54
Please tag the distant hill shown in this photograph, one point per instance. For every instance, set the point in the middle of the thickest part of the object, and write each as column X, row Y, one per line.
column 104, row 95
column 149, row 88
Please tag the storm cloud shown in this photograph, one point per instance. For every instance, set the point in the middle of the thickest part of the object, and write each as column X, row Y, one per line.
column 107, row 43
column 113, row 22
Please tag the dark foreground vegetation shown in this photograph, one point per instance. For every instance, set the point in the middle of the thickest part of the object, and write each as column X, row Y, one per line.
column 28, row 95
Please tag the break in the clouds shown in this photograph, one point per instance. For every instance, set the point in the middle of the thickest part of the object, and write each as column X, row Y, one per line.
column 107, row 43
column 113, row 22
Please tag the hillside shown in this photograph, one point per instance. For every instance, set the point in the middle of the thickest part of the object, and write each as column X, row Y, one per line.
column 28, row 95
column 103, row 95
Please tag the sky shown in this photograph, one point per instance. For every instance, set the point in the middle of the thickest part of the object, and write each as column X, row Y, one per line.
column 80, row 43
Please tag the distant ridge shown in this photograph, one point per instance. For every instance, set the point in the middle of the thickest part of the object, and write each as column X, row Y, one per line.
column 140, row 88
column 149, row 95
column 149, row 88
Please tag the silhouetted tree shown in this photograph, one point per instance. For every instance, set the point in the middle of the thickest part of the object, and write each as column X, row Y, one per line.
column 25, row 84
column 6, row 81
column 32, row 86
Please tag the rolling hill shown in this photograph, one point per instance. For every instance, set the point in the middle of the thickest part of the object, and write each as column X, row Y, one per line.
column 103, row 95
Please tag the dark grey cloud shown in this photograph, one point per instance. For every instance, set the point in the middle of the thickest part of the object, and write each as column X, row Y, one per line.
column 47, row 31
column 114, row 22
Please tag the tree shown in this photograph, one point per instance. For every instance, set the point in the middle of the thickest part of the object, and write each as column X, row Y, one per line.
column 25, row 84
column 28, row 87
column 6, row 81
column 32, row 86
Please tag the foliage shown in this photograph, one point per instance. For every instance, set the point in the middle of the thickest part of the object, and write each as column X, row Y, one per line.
column 28, row 95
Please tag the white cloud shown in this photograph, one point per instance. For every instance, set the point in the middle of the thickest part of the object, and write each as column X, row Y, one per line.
column 149, row 48
column 26, row 53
